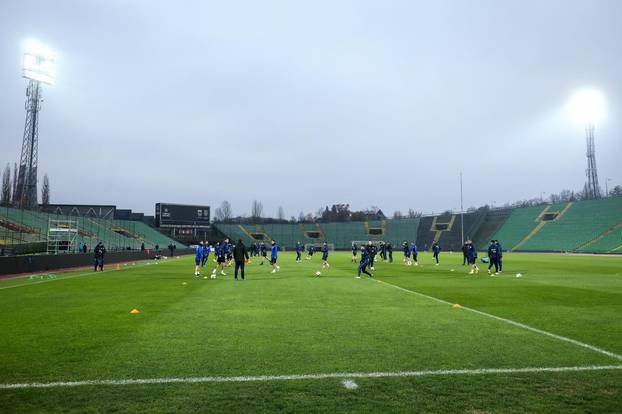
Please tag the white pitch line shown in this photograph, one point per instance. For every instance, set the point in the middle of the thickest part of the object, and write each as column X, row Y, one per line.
column 300, row 377
column 511, row 322
column 68, row 277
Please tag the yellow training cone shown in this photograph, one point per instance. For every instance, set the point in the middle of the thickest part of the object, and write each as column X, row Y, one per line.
column 456, row 306
column 117, row 267
column 134, row 311
column 184, row 283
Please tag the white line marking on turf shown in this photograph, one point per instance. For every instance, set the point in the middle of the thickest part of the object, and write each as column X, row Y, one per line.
column 350, row 384
column 299, row 377
column 69, row 277
column 511, row 322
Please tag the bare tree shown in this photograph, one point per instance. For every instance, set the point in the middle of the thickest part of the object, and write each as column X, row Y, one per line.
column 223, row 213
column 281, row 213
column 5, row 196
column 301, row 217
column 45, row 191
column 256, row 209
column 397, row 215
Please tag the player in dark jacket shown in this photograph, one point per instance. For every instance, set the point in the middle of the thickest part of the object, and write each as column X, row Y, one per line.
column 436, row 251
column 493, row 255
column 299, row 249
column 415, row 254
column 99, row 253
column 465, row 253
column 364, row 263
column 406, row 248
column 373, row 251
column 390, row 251
column 325, row 264
column 499, row 255
column 240, row 256
column 355, row 249
column 472, row 257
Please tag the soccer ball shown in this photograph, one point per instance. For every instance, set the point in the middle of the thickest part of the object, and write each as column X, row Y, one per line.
column 519, row 275
column 318, row 273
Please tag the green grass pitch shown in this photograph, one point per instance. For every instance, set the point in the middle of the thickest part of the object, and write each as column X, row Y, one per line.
column 427, row 355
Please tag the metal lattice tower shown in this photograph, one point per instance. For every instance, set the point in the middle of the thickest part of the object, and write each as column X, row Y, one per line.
column 592, row 189
column 26, row 192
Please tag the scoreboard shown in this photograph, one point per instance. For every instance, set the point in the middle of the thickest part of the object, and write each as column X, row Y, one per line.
column 181, row 215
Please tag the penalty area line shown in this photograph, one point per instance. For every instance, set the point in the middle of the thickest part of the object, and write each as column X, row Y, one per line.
column 511, row 322
column 346, row 377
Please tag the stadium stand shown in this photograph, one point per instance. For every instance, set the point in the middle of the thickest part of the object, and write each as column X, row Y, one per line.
column 576, row 225
column 339, row 234
column 517, row 226
column 491, row 223
column 23, row 227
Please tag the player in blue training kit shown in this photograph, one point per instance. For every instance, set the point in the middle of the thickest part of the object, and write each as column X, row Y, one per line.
column 355, row 249
column 499, row 255
column 372, row 250
column 262, row 249
column 274, row 256
column 406, row 249
column 472, row 256
column 390, row 251
column 205, row 253
column 436, row 251
column 415, row 254
column 197, row 259
column 493, row 255
column 325, row 256
column 365, row 257
column 221, row 258
column 310, row 251
column 383, row 251
column 298, row 252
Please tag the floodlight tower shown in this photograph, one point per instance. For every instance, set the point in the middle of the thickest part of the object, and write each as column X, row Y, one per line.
column 38, row 68
column 587, row 108
column 592, row 189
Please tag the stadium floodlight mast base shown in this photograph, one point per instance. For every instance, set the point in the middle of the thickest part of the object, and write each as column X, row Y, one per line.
column 587, row 107
column 38, row 68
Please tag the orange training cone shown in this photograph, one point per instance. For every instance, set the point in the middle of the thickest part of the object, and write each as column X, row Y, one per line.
column 456, row 306
column 117, row 267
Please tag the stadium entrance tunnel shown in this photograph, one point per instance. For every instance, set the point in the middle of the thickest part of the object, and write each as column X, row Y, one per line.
column 375, row 231
column 259, row 236
column 313, row 234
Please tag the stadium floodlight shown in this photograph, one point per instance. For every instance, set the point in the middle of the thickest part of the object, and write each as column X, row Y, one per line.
column 39, row 62
column 587, row 106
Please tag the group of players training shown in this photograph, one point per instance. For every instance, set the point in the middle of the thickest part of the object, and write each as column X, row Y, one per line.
column 495, row 257
column 227, row 254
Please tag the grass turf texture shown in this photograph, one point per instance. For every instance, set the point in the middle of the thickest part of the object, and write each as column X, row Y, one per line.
column 78, row 327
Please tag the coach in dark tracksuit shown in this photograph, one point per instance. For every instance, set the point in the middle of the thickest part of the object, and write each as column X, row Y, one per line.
column 466, row 250
column 99, row 253
column 493, row 255
column 499, row 255
column 240, row 254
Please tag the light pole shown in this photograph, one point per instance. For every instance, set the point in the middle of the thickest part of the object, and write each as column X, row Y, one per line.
column 587, row 108
column 38, row 68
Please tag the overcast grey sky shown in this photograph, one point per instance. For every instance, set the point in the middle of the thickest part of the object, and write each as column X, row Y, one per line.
column 308, row 103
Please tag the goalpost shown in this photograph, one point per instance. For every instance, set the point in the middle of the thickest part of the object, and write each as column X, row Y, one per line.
column 318, row 246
